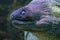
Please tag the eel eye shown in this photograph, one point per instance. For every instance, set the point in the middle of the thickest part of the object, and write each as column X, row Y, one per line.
column 23, row 13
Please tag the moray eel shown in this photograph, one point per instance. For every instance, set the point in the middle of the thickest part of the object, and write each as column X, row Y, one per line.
column 40, row 17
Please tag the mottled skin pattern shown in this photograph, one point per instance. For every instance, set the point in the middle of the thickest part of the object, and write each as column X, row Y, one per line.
column 37, row 18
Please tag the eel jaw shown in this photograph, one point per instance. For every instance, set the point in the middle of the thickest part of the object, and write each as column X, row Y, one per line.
column 21, row 22
column 18, row 21
column 28, row 25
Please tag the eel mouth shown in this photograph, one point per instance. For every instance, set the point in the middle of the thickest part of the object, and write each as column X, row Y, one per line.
column 22, row 21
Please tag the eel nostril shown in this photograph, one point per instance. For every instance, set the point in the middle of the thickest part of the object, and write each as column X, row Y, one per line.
column 12, row 17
